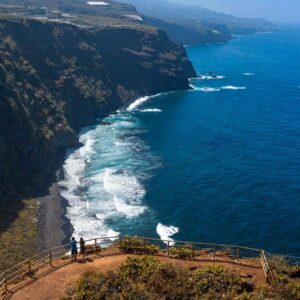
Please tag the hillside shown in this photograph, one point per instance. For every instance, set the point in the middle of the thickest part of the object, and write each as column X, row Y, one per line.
column 113, row 8
column 191, row 24
column 57, row 77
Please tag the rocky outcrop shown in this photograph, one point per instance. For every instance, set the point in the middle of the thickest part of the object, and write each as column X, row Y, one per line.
column 56, row 78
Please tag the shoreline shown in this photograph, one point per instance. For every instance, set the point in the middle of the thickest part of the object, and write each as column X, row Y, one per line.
column 55, row 229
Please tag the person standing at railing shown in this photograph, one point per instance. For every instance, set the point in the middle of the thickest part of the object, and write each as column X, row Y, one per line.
column 82, row 248
column 74, row 250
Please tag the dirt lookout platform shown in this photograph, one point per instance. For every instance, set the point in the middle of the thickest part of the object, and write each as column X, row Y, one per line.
column 52, row 273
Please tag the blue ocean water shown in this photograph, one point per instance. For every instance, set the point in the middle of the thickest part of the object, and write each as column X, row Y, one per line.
column 218, row 163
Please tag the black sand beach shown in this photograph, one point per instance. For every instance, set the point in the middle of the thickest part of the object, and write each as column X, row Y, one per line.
column 55, row 228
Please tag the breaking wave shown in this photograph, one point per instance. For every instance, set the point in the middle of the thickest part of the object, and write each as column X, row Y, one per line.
column 137, row 103
column 210, row 77
column 204, row 89
column 140, row 101
column 165, row 232
column 104, row 181
column 151, row 110
column 231, row 87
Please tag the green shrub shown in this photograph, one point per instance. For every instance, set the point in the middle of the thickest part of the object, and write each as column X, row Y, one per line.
column 288, row 291
column 92, row 249
column 182, row 252
column 288, row 288
column 137, row 246
column 279, row 263
column 219, row 280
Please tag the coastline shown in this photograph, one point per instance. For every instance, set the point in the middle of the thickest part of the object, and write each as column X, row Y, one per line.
column 55, row 228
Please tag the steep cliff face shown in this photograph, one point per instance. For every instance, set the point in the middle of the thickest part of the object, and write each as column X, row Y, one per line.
column 55, row 78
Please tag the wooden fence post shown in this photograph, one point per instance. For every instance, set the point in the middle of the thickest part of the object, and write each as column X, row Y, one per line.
column 50, row 258
column 95, row 246
column 214, row 253
column 237, row 254
column 5, row 284
column 168, row 248
column 29, row 266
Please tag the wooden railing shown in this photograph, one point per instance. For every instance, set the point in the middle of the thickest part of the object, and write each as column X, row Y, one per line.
column 57, row 257
column 269, row 274
column 29, row 267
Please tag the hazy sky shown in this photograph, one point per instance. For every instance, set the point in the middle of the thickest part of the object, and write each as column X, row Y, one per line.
column 274, row 10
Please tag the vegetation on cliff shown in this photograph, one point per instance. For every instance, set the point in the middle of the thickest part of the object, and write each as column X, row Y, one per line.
column 20, row 241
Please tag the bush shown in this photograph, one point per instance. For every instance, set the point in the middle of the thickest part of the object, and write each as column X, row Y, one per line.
column 287, row 287
column 182, row 252
column 219, row 280
column 137, row 246
column 91, row 249
column 288, row 291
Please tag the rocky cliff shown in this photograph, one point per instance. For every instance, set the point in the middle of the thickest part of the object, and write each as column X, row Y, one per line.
column 193, row 24
column 56, row 78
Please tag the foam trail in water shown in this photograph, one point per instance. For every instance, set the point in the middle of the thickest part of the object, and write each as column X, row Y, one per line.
column 165, row 232
column 204, row 89
column 249, row 74
column 142, row 100
column 137, row 103
column 231, row 87
column 151, row 110
column 208, row 77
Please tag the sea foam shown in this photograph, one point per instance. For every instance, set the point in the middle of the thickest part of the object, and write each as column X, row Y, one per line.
column 249, row 74
column 127, row 192
column 204, row 89
column 104, row 179
column 209, row 77
column 137, row 103
column 151, row 110
column 84, row 223
column 165, row 232
column 231, row 87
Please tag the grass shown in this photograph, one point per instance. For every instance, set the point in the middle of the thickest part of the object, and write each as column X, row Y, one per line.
column 20, row 241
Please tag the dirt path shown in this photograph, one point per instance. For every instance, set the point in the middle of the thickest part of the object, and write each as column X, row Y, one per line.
column 53, row 285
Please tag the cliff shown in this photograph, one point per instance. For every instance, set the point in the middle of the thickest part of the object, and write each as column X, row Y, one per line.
column 56, row 78
column 193, row 24
column 204, row 33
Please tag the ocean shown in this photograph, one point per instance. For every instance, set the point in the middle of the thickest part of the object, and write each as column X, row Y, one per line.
column 217, row 163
